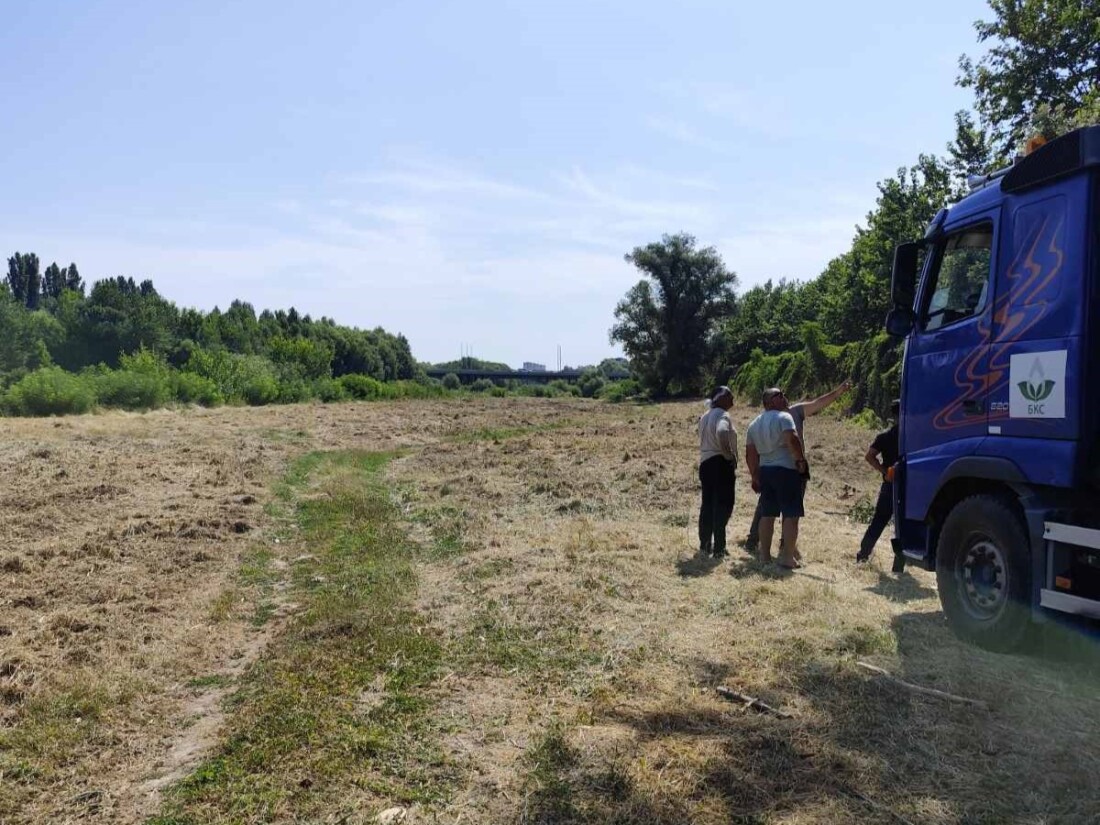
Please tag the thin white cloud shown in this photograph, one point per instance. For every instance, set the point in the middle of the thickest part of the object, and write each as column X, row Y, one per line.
column 681, row 132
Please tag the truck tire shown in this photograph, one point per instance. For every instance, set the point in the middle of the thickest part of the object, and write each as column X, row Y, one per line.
column 983, row 573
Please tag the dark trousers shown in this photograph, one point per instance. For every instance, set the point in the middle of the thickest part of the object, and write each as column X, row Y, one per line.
column 884, row 511
column 717, row 477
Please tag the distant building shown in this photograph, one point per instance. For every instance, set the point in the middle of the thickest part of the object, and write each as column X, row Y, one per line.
column 531, row 366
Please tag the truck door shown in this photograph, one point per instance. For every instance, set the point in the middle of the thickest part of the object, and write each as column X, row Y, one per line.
column 948, row 358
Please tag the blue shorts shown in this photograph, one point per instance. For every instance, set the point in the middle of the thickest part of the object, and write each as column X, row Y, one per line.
column 780, row 493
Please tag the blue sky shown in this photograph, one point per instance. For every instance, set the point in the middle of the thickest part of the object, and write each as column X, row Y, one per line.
column 464, row 173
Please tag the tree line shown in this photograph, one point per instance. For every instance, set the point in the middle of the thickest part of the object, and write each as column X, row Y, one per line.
column 684, row 326
column 64, row 348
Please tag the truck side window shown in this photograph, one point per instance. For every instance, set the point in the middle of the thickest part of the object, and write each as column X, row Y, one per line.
column 960, row 286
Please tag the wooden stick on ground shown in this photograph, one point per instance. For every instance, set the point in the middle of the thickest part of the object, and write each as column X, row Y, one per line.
column 750, row 702
column 950, row 697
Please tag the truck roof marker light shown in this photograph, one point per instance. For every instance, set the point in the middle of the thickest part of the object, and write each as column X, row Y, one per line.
column 1050, row 160
column 1034, row 142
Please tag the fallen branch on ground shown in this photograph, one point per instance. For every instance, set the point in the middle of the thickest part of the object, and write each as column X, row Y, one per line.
column 951, row 697
column 750, row 702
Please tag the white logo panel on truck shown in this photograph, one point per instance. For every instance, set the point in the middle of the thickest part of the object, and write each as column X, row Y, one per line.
column 1037, row 385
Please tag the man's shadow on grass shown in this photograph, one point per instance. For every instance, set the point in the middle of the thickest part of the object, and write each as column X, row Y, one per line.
column 748, row 567
column 697, row 566
column 901, row 588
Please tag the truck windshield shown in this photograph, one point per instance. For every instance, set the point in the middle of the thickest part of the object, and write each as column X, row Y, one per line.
column 960, row 282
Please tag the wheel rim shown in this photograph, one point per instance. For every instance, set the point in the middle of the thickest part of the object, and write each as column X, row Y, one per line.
column 983, row 578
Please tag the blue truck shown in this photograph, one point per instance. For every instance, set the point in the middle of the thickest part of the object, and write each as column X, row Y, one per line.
column 998, row 484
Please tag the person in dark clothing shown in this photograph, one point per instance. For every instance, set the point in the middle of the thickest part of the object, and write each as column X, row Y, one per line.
column 882, row 455
column 717, row 472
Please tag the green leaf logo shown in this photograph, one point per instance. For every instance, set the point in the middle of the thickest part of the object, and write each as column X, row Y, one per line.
column 1037, row 392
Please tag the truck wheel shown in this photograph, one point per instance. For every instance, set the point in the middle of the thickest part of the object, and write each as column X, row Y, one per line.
column 984, row 574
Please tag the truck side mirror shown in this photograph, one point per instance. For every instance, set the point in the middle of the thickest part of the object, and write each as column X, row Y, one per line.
column 899, row 321
column 903, row 281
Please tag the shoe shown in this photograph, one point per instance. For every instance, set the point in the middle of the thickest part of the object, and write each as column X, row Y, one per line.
column 899, row 563
column 862, row 559
column 751, row 545
column 719, row 554
column 704, row 550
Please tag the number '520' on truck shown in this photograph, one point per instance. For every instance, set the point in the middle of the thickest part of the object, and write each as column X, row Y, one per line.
column 998, row 485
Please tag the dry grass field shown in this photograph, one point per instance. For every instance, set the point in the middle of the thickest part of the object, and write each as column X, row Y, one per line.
column 482, row 611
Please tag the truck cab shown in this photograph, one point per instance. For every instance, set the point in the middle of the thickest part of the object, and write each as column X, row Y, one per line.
column 997, row 485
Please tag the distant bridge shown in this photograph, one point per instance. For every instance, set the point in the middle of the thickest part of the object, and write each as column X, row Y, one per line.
column 469, row 376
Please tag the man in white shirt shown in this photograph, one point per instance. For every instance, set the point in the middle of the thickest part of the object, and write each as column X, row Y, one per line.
column 799, row 412
column 717, row 472
column 777, row 463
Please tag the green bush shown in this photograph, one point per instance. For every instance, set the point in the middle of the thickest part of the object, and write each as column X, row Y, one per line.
column 482, row 385
column 451, row 381
column 498, row 392
column 126, row 390
column 294, row 391
column 252, row 379
column 260, row 390
column 50, row 391
column 362, row 387
column 590, row 383
column 560, row 386
column 329, row 390
column 189, row 388
column 619, row 391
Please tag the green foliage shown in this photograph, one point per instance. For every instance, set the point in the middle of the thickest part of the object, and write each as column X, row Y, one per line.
column 862, row 511
column 614, row 369
column 50, row 391
column 128, row 390
column 189, row 388
column 874, row 365
column 471, row 363
column 329, row 390
column 311, row 358
column 362, row 387
column 451, row 381
column 666, row 322
column 482, row 385
column 560, row 386
column 251, row 379
column 619, row 391
column 25, row 338
column 590, row 383
column 1042, row 62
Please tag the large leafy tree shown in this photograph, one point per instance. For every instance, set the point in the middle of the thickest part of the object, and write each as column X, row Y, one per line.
column 856, row 285
column 667, row 320
column 1043, row 61
column 972, row 151
column 768, row 317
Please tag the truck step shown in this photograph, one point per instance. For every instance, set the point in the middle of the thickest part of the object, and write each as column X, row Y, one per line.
column 1072, row 570
column 1065, row 603
column 1071, row 534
